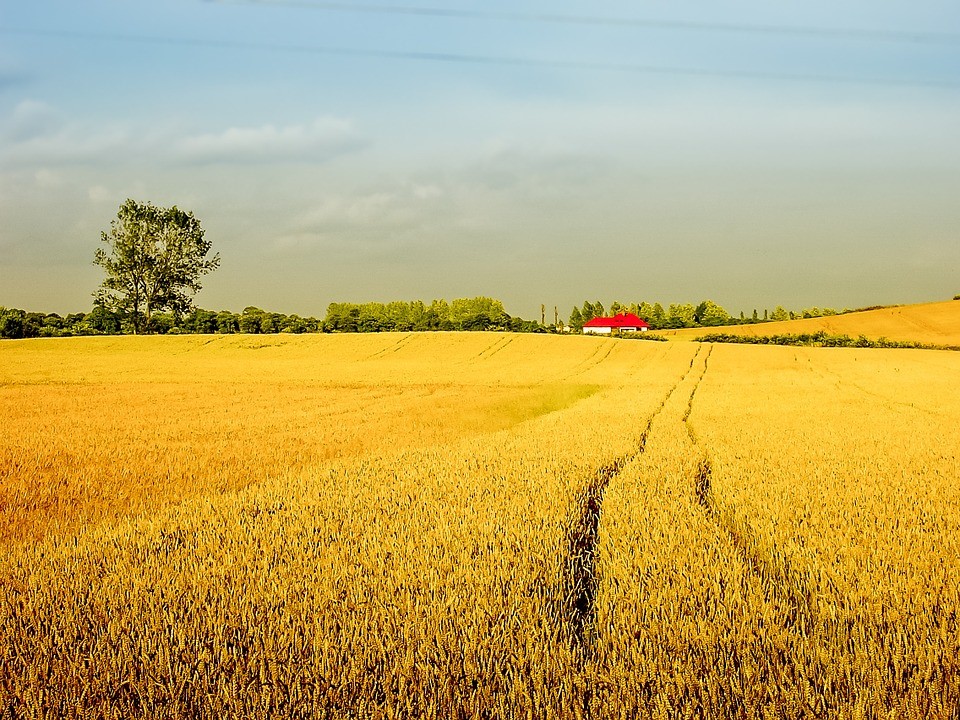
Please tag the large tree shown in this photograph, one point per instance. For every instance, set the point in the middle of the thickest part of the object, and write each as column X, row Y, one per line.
column 154, row 261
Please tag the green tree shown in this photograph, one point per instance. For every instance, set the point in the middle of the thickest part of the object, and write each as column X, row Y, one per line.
column 779, row 313
column 154, row 260
column 342, row 317
column 710, row 314
column 681, row 315
column 576, row 319
column 227, row 322
column 294, row 324
column 200, row 321
column 162, row 323
column 271, row 322
column 371, row 318
column 250, row 320
column 657, row 317
column 12, row 323
column 477, row 313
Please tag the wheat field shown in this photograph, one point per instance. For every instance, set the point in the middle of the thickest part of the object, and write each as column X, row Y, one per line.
column 477, row 525
column 928, row 323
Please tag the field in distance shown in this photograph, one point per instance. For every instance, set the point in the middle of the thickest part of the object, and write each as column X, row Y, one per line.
column 477, row 525
column 929, row 323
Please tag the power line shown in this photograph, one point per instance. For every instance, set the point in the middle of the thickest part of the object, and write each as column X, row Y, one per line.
column 840, row 33
column 477, row 59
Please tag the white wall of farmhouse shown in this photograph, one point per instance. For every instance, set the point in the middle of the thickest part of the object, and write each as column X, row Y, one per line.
column 597, row 330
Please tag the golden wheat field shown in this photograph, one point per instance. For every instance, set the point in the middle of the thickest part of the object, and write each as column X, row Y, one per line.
column 930, row 323
column 477, row 525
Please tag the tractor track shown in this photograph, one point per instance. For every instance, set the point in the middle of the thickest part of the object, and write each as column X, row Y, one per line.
column 584, row 364
column 499, row 348
column 491, row 348
column 580, row 572
column 399, row 344
column 783, row 587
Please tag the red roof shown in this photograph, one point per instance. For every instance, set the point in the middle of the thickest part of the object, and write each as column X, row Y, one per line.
column 623, row 320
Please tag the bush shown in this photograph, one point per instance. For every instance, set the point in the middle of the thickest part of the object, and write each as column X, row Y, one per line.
column 821, row 339
column 644, row 336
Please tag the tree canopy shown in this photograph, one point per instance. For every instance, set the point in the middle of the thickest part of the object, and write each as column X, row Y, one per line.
column 154, row 260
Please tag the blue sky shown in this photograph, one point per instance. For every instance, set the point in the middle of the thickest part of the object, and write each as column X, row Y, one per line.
column 331, row 154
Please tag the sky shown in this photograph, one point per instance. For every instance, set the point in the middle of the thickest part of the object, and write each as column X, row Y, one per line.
column 753, row 153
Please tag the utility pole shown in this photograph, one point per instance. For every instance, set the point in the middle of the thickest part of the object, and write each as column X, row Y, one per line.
column 556, row 317
column 543, row 311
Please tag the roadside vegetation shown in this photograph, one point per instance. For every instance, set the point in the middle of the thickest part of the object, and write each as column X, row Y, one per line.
column 820, row 339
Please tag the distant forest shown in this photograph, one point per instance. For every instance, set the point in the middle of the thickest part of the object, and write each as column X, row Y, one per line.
column 471, row 314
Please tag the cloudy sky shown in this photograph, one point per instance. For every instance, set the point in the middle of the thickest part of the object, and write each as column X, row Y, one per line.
column 537, row 151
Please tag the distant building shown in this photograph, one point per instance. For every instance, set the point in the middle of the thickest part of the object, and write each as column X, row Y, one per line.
column 624, row 322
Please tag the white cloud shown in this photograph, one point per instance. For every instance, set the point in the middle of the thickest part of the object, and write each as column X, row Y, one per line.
column 36, row 135
column 31, row 119
column 323, row 139
column 71, row 146
column 378, row 210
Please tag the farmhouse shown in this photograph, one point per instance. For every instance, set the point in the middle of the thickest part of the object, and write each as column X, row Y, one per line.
column 624, row 322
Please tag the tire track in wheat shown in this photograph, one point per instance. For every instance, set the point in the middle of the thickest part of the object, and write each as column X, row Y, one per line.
column 783, row 586
column 391, row 348
column 580, row 581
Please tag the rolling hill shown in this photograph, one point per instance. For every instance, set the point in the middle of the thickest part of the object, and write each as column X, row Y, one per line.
column 935, row 323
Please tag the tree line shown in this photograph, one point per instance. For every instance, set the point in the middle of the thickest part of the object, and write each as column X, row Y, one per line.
column 16, row 323
column 471, row 314
column 479, row 313
column 464, row 314
column 706, row 313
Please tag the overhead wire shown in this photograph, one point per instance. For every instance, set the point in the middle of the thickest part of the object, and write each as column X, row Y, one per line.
column 480, row 59
column 822, row 32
